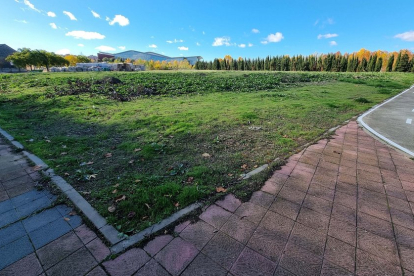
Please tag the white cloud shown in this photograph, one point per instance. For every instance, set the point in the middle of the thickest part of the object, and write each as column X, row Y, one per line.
column 122, row 47
column 53, row 25
column 333, row 43
column 30, row 5
column 330, row 21
column 81, row 45
column 255, row 31
column 250, row 45
column 105, row 48
column 51, row 14
column 242, row 45
column 107, row 19
column 182, row 48
column 152, row 46
column 175, row 41
column 21, row 21
column 120, row 19
column 273, row 38
column 85, row 35
column 204, row 32
column 327, row 36
column 316, row 22
column 62, row 52
column 198, row 44
column 220, row 41
column 95, row 14
column 407, row 36
column 70, row 15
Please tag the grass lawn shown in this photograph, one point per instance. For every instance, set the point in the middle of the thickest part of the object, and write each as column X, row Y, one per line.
column 159, row 141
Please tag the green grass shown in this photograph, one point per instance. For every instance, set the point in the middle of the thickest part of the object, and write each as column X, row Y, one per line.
column 157, row 140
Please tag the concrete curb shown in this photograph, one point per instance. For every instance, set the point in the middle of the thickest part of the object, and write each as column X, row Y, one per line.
column 380, row 136
column 115, row 238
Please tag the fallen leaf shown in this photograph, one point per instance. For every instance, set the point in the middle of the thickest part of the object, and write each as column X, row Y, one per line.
column 92, row 176
column 177, row 204
column 146, row 204
column 230, row 174
column 63, row 153
column 37, row 168
column 67, row 219
column 86, row 193
column 89, row 163
column 144, row 218
column 165, row 232
column 244, row 166
column 115, row 191
column 135, row 150
column 67, row 174
column 138, row 180
column 116, row 185
column 221, row 190
column 111, row 209
column 190, row 179
column 108, row 155
column 73, row 213
column 255, row 166
column 131, row 161
column 120, row 198
column 206, row 155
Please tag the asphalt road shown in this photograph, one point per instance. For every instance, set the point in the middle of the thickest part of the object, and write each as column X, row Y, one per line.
column 395, row 120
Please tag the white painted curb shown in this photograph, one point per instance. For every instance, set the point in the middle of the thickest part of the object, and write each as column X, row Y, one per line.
column 366, row 126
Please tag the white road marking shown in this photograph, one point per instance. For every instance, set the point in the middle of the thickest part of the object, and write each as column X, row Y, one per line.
column 409, row 121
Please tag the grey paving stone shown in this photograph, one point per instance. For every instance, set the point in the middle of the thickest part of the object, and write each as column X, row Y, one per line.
column 76, row 264
column 28, row 197
column 97, row 271
column 15, row 251
column 28, row 266
column 41, row 219
column 64, row 209
column 49, row 232
column 202, row 265
column 153, row 268
column 11, row 233
column 5, row 206
column 128, row 263
column 31, row 207
column 25, row 179
column 59, row 249
column 8, row 217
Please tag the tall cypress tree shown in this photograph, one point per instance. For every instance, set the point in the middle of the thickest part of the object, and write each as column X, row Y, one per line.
column 390, row 63
column 378, row 66
column 397, row 62
column 403, row 64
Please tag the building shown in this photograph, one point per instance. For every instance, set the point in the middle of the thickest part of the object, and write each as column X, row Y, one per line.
column 135, row 55
column 5, row 51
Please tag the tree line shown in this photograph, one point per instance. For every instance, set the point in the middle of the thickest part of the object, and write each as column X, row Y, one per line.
column 361, row 61
column 26, row 57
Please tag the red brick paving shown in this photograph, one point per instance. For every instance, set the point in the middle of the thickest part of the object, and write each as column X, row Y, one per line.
column 340, row 207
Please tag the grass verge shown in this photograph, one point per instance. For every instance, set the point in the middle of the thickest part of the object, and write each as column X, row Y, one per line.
column 143, row 148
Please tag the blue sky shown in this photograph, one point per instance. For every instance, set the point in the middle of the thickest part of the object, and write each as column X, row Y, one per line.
column 207, row 28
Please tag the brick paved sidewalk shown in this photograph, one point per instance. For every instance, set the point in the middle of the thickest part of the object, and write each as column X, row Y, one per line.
column 343, row 207
column 35, row 235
